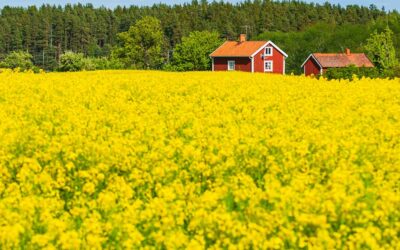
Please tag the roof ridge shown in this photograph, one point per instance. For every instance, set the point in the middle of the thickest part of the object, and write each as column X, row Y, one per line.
column 247, row 41
column 330, row 60
column 239, row 49
column 342, row 53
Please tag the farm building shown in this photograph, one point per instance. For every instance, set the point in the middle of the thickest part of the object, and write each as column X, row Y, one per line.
column 249, row 56
column 319, row 63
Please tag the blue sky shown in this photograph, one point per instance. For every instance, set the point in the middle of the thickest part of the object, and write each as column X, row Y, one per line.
column 388, row 4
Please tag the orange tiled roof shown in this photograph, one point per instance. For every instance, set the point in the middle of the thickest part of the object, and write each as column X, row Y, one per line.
column 239, row 49
column 343, row 60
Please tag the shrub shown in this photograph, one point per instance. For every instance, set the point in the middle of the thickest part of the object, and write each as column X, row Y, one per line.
column 70, row 62
column 351, row 71
column 392, row 72
column 18, row 59
column 396, row 71
column 103, row 63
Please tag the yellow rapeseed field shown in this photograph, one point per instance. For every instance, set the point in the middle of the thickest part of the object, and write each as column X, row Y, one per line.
column 153, row 160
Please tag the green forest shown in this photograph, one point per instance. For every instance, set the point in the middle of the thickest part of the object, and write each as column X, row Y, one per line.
column 48, row 32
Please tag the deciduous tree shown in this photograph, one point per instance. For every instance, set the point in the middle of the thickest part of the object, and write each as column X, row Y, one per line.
column 194, row 51
column 381, row 50
column 142, row 44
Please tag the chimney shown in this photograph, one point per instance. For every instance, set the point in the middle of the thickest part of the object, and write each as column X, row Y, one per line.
column 348, row 52
column 242, row 38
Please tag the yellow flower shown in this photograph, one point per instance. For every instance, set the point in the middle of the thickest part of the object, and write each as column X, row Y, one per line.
column 144, row 160
column 89, row 188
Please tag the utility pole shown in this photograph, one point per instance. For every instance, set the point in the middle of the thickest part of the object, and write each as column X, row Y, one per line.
column 51, row 36
column 247, row 28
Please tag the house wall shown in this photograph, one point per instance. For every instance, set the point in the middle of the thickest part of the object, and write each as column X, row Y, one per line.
column 277, row 58
column 244, row 63
column 311, row 67
column 241, row 63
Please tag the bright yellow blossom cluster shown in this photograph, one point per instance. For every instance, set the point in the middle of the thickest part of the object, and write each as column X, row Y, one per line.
column 153, row 160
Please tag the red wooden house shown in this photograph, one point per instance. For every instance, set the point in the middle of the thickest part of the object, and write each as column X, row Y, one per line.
column 249, row 56
column 319, row 63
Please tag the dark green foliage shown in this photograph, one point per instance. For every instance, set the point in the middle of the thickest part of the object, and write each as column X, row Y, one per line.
column 322, row 38
column 194, row 51
column 352, row 71
column 18, row 59
column 103, row 63
column 299, row 28
column 392, row 72
column 396, row 71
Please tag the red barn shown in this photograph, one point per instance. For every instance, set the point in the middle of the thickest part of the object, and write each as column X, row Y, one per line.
column 319, row 63
column 249, row 56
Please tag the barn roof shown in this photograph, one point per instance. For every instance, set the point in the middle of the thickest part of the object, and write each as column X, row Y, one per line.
column 341, row 60
column 242, row 49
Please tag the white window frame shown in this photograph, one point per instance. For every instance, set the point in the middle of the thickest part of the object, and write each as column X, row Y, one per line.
column 234, row 65
column 272, row 66
column 271, row 50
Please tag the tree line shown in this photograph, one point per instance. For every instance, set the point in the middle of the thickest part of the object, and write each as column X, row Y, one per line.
column 169, row 35
column 332, row 38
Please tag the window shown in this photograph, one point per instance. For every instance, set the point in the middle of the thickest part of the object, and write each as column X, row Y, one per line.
column 269, row 66
column 231, row 65
column 268, row 51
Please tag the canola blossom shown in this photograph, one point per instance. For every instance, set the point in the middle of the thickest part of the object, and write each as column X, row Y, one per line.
column 155, row 160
